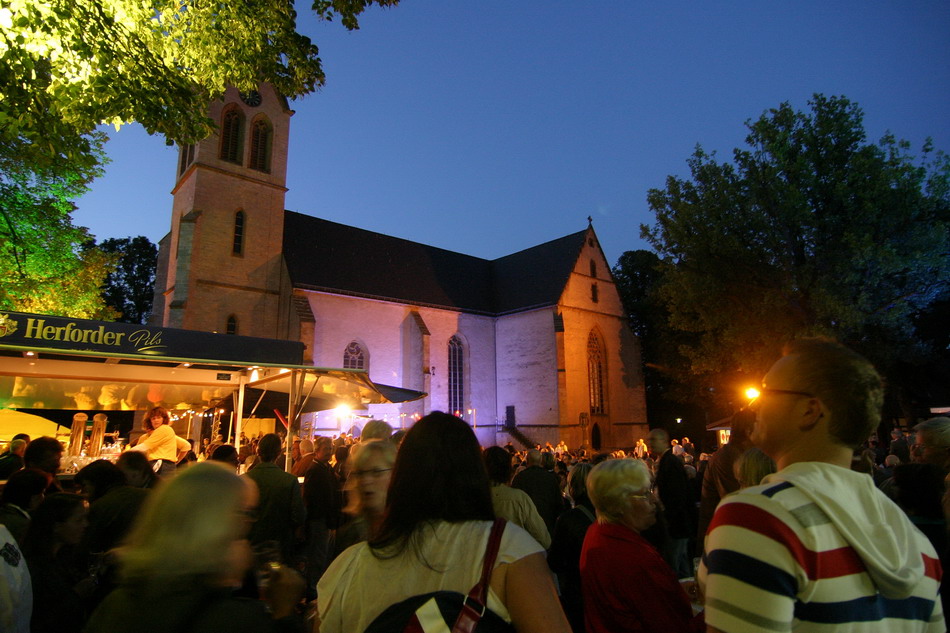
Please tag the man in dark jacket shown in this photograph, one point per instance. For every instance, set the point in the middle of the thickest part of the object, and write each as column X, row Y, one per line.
column 280, row 509
column 543, row 488
column 324, row 501
column 673, row 487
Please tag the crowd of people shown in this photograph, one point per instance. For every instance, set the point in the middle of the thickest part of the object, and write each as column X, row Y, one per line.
column 805, row 520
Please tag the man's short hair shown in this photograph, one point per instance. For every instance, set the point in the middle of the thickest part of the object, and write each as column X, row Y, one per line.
column 845, row 382
column 17, row 447
column 322, row 445
column 533, row 458
column 269, row 447
column 41, row 449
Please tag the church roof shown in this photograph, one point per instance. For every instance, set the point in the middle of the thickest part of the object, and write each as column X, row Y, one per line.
column 332, row 257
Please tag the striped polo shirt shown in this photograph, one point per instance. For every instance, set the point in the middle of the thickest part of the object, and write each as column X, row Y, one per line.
column 784, row 556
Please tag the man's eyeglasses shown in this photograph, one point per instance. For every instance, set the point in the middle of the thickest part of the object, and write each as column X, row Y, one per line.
column 768, row 391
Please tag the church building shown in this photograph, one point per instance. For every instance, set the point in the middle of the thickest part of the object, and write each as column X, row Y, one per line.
column 532, row 347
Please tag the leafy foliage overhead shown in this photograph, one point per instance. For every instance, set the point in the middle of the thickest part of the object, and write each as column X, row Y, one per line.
column 43, row 268
column 809, row 230
column 67, row 66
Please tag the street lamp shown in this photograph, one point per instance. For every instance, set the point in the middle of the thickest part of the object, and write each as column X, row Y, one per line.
column 474, row 414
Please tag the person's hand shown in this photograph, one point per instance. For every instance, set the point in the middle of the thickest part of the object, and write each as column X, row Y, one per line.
column 284, row 590
column 692, row 589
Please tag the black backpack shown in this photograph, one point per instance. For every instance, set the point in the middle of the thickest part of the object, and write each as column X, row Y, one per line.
column 449, row 611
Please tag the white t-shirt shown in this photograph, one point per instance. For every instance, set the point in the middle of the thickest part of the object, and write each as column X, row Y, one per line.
column 357, row 587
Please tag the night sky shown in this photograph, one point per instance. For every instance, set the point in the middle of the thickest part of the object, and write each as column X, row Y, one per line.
column 488, row 127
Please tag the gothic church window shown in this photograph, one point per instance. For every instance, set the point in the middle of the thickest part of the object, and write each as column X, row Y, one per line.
column 238, row 245
column 594, row 296
column 596, row 373
column 260, row 145
column 456, row 388
column 232, row 326
column 593, row 268
column 353, row 357
column 231, row 126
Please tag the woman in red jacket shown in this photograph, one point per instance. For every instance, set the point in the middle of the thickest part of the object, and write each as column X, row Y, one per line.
column 627, row 585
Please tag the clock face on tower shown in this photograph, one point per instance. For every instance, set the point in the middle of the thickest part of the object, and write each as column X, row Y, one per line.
column 252, row 98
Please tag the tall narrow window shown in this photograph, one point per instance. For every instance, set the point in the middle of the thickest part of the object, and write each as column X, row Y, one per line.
column 456, row 389
column 353, row 357
column 260, row 145
column 231, row 124
column 238, row 247
column 594, row 296
column 595, row 373
column 186, row 157
column 232, row 327
column 593, row 268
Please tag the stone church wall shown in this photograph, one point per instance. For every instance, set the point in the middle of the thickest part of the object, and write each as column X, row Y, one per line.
column 527, row 373
column 399, row 354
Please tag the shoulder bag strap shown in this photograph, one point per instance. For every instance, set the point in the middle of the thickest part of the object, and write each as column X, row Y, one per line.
column 476, row 603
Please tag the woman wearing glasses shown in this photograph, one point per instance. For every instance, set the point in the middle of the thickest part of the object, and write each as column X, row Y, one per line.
column 627, row 585
column 370, row 470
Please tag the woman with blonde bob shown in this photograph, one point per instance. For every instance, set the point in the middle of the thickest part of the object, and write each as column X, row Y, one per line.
column 186, row 554
column 627, row 585
column 371, row 466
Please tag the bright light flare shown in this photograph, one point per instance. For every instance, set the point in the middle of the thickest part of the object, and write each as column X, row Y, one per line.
column 752, row 393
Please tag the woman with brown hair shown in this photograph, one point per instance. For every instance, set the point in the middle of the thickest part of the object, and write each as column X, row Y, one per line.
column 433, row 538
column 159, row 443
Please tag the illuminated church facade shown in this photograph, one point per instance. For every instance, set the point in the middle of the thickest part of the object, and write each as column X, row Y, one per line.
column 536, row 341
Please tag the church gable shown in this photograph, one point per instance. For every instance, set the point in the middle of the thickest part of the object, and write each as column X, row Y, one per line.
column 591, row 285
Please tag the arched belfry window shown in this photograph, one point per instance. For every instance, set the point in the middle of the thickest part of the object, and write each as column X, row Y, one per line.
column 232, row 124
column 240, row 220
column 354, row 357
column 596, row 373
column 232, row 327
column 456, row 376
column 261, row 133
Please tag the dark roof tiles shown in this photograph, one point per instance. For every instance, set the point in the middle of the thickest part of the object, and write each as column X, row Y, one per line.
column 333, row 257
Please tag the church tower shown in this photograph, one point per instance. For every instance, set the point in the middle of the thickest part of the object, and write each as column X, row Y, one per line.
column 221, row 267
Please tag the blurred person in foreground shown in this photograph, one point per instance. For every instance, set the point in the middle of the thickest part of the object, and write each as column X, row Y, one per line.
column 816, row 546
column 186, row 554
column 438, row 520
column 627, row 585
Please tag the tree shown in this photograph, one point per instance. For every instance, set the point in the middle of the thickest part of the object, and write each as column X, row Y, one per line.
column 129, row 290
column 68, row 66
column 42, row 265
column 811, row 230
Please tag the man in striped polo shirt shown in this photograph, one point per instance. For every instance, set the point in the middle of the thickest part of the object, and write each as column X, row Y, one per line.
column 816, row 547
